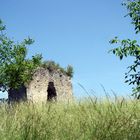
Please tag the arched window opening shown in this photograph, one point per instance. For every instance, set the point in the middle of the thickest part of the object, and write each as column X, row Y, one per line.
column 51, row 92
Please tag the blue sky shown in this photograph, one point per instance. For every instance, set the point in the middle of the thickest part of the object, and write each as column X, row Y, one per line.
column 75, row 32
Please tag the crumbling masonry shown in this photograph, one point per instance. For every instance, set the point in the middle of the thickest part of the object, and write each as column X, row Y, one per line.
column 45, row 86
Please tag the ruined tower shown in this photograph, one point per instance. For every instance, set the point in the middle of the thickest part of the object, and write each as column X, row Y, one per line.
column 49, row 82
column 49, row 85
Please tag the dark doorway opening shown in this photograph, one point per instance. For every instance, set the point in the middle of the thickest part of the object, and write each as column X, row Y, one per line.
column 51, row 92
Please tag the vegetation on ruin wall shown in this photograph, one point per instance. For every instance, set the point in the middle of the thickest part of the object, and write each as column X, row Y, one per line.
column 15, row 68
column 85, row 120
column 53, row 66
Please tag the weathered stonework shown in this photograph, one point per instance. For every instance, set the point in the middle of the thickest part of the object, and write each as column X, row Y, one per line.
column 37, row 90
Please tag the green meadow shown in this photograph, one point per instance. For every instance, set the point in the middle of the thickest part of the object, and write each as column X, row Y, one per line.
column 88, row 119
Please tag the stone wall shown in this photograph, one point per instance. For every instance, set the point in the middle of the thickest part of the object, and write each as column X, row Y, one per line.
column 37, row 89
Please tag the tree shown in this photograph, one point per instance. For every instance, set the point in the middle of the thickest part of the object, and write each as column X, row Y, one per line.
column 15, row 69
column 128, row 47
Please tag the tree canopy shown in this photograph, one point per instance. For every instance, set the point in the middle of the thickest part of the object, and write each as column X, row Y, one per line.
column 128, row 47
column 15, row 68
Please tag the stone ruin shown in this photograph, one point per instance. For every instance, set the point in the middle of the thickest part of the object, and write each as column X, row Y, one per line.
column 45, row 86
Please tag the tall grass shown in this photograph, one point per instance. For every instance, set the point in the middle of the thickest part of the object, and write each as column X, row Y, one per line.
column 84, row 120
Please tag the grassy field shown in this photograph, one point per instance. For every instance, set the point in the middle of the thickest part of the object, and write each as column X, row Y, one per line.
column 84, row 120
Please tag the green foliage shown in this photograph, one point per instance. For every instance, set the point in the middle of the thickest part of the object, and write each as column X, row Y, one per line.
column 133, row 7
column 69, row 71
column 15, row 69
column 53, row 66
column 85, row 120
column 131, row 48
column 2, row 27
